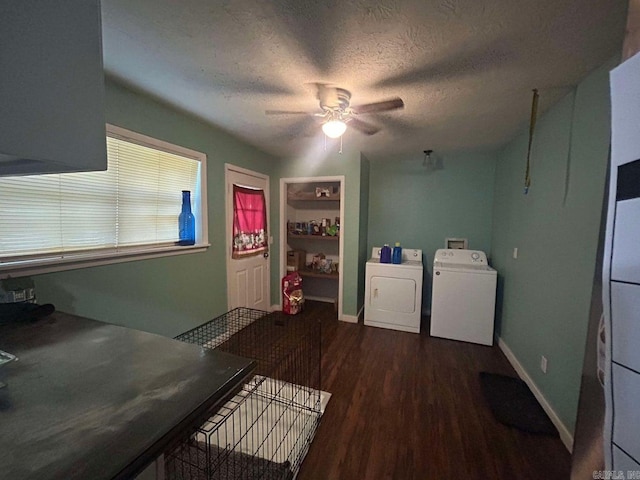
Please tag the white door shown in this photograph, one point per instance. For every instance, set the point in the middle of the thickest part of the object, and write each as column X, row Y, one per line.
column 247, row 276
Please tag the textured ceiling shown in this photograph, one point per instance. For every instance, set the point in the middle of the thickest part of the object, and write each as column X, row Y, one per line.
column 464, row 68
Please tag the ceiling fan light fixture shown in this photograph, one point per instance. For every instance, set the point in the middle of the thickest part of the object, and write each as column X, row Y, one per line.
column 334, row 128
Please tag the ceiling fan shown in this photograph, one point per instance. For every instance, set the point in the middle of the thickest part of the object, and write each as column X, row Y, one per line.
column 336, row 111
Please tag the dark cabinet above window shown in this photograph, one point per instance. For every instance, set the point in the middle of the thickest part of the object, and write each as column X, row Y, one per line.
column 52, row 88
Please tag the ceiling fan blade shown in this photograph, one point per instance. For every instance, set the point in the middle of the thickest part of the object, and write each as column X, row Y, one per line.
column 385, row 106
column 364, row 127
column 284, row 112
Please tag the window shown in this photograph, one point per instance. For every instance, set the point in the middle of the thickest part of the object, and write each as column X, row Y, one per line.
column 127, row 212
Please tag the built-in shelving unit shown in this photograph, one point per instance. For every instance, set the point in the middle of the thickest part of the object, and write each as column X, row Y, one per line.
column 330, row 238
column 312, row 210
column 310, row 196
column 313, row 274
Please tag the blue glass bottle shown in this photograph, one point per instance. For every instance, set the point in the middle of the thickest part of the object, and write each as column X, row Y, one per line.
column 186, row 221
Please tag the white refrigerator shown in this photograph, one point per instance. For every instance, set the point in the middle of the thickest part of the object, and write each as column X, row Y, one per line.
column 621, row 276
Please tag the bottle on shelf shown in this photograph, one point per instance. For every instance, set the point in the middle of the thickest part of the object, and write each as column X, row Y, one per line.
column 396, row 256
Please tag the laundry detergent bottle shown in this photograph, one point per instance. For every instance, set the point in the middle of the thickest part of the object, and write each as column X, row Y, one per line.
column 385, row 254
column 396, row 256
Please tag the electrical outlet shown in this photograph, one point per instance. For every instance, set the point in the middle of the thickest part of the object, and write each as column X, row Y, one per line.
column 515, row 252
column 543, row 364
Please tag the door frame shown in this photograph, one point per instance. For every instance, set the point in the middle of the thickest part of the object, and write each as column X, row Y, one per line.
column 284, row 182
column 228, row 215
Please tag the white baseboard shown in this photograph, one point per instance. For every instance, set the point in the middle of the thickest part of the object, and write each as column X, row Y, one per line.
column 565, row 435
column 276, row 308
column 353, row 318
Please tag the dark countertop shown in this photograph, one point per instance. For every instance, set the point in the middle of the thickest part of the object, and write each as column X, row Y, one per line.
column 90, row 400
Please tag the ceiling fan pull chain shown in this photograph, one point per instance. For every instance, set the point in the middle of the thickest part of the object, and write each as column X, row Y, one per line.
column 340, row 152
column 532, row 126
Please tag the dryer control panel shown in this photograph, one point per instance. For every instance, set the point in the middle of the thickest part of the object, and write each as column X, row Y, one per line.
column 408, row 254
column 448, row 256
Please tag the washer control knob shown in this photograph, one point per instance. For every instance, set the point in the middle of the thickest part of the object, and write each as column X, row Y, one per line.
column 475, row 256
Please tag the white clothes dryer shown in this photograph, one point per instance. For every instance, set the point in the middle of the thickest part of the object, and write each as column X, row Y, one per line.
column 393, row 292
column 463, row 296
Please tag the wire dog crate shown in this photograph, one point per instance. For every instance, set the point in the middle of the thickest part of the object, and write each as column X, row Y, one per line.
column 265, row 429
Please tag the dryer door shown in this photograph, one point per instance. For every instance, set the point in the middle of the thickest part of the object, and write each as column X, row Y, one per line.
column 390, row 294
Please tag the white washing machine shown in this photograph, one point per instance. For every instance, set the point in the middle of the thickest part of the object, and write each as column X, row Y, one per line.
column 393, row 293
column 463, row 297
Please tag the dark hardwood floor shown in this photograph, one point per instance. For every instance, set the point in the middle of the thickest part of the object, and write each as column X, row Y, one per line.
column 407, row 406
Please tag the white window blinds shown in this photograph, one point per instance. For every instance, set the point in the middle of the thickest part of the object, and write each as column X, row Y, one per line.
column 135, row 202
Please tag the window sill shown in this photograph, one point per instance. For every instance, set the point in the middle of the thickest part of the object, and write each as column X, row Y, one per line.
column 76, row 260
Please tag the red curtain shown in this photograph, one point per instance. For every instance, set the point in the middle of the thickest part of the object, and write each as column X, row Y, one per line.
column 249, row 222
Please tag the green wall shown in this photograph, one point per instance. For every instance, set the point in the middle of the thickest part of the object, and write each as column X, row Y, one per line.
column 420, row 206
column 319, row 161
column 546, row 292
column 172, row 294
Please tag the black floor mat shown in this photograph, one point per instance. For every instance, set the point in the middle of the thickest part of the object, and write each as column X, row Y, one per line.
column 513, row 404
